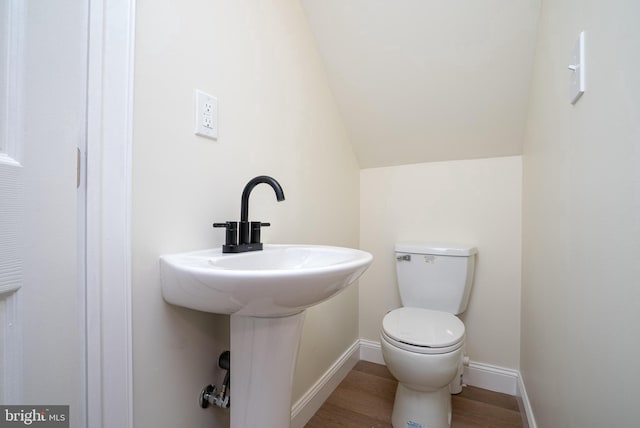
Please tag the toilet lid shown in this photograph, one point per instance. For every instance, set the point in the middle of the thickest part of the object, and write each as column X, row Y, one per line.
column 423, row 327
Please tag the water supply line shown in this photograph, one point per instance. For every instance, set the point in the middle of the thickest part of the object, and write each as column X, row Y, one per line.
column 210, row 394
column 456, row 385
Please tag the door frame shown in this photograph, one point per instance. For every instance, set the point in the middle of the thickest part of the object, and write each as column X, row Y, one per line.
column 108, row 214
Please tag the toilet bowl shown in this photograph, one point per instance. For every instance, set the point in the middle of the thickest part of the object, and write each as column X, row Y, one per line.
column 423, row 350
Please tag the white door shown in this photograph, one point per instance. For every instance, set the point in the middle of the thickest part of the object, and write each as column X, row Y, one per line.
column 11, row 208
column 43, row 73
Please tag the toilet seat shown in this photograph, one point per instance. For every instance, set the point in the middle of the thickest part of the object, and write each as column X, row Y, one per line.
column 423, row 331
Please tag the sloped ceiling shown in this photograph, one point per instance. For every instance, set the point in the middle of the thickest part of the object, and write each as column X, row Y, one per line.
column 428, row 80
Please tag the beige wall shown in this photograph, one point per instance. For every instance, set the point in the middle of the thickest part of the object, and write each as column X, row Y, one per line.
column 581, row 228
column 471, row 201
column 277, row 117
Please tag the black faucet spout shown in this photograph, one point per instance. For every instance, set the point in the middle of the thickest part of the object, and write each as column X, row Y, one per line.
column 244, row 203
column 244, row 235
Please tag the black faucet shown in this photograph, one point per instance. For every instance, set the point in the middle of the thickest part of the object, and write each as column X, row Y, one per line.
column 249, row 232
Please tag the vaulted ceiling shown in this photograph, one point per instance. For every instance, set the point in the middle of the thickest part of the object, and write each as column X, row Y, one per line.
column 428, row 80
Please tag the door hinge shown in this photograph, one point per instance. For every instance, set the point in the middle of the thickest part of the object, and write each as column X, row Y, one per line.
column 78, row 167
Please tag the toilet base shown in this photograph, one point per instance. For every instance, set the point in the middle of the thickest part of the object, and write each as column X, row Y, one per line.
column 420, row 409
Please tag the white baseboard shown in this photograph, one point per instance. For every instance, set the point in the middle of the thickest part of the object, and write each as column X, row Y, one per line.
column 304, row 409
column 371, row 351
column 490, row 377
column 486, row 376
column 526, row 404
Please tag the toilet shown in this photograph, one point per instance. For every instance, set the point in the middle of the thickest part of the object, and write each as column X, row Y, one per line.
column 423, row 341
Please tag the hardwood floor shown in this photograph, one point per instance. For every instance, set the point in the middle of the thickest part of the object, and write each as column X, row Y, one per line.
column 364, row 399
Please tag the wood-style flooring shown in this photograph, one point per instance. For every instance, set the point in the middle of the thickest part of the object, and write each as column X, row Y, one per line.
column 364, row 399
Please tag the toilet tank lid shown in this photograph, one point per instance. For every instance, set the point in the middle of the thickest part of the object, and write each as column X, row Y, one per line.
column 435, row 248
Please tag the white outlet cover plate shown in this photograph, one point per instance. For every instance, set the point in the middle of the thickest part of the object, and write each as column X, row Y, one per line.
column 206, row 115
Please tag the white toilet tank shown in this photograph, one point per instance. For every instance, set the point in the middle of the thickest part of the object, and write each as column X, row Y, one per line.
column 435, row 276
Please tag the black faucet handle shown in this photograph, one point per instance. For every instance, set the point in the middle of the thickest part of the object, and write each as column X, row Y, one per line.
column 255, row 231
column 231, row 235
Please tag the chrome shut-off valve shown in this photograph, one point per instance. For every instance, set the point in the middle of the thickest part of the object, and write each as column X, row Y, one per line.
column 210, row 394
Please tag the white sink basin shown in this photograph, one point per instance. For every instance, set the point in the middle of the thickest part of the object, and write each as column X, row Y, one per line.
column 279, row 281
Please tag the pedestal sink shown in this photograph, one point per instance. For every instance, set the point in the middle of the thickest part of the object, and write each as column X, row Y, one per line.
column 266, row 293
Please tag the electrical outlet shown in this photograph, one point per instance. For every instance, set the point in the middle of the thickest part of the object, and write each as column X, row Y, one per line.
column 206, row 115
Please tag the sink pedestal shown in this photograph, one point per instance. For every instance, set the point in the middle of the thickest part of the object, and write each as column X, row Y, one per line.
column 263, row 360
